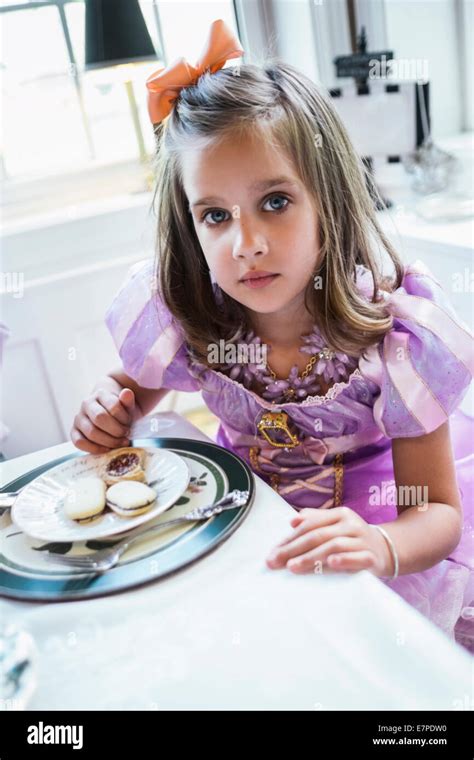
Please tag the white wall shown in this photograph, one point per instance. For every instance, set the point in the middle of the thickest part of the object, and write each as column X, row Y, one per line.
column 466, row 25
column 59, row 345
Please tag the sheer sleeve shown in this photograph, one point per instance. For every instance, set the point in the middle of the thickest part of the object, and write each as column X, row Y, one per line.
column 148, row 339
column 424, row 364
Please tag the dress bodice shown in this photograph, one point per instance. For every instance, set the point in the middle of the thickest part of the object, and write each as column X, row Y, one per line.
column 405, row 386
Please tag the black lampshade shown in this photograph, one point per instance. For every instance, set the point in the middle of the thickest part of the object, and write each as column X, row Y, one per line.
column 116, row 33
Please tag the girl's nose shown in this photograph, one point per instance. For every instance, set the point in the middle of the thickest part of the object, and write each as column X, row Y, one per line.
column 249, row 242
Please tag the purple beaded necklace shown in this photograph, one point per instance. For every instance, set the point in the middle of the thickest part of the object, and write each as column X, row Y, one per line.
column 325, row 362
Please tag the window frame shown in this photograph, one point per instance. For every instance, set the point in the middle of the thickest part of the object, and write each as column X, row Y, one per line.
column 255, row 20
column 76, row 74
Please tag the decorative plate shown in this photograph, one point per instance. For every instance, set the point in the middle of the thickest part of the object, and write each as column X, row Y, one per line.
column 39, row 508
column 25, row 572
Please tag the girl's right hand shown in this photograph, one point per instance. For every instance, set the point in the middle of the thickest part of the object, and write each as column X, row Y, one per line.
column 104, row 420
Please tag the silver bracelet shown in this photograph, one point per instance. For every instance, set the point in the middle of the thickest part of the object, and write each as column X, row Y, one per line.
column 393, row 551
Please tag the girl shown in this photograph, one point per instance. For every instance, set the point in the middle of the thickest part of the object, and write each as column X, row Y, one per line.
column 343, row 396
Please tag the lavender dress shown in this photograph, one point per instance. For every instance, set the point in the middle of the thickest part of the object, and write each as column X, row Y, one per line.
column 344, row 451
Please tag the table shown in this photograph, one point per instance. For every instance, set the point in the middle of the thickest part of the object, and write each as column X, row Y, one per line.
column 230, row 633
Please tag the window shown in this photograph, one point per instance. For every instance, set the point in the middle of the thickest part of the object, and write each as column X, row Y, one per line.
column 58, row 118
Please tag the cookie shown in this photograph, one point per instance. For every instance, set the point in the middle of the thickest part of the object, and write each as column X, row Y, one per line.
column 124, row 464
column 130, row 498
column 85, row 499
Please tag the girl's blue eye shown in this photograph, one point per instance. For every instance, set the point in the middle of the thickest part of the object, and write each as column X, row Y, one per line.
column 215, row 222
column 278, row 197
column 222, row 213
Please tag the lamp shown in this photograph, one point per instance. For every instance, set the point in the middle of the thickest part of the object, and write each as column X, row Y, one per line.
column 117, row 35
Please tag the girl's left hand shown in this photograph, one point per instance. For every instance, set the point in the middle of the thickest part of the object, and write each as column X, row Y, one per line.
column 338, row 538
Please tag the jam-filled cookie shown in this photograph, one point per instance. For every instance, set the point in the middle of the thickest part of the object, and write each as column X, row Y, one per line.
column 85, row 499
column 124, row 464
column 130, row 498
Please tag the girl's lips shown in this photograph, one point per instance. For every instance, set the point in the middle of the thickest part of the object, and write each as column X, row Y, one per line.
column 259, row 282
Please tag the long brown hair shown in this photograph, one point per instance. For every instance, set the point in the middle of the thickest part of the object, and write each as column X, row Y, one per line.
column 299, row 118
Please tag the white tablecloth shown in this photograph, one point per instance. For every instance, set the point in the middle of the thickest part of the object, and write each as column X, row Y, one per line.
column 229, row 633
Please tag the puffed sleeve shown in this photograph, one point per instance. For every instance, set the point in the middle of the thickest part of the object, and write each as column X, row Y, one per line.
column 424, row 364
column 148, row 339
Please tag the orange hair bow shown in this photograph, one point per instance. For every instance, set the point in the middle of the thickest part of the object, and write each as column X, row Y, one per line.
column 165, row 84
